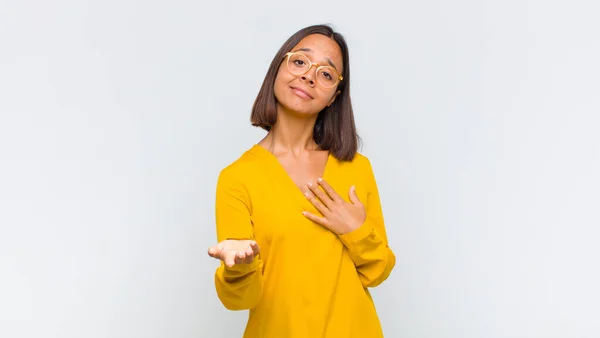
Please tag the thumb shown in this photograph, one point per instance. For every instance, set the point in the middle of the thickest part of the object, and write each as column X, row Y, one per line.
column 214, row 251
column 353, row 197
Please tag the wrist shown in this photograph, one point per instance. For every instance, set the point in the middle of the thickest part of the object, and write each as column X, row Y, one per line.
column 349, row 228
column 240, row 269
column 357, row 235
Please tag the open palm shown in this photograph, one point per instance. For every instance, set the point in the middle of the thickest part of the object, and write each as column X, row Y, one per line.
column 235, row 251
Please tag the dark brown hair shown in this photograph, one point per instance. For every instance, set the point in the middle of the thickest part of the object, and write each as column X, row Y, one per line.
column 334, row 129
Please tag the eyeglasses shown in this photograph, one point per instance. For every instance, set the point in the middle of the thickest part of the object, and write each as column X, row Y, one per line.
column 299, row 64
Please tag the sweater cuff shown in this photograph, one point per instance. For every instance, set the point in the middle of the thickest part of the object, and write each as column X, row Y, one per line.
column 352, row 238
column 239, row 270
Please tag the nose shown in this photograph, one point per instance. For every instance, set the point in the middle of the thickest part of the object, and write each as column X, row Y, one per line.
column 309, row 76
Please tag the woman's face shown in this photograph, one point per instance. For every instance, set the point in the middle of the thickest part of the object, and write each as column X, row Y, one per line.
column 302, row 93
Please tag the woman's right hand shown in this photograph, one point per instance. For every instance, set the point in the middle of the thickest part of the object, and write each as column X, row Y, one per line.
column 235, row 251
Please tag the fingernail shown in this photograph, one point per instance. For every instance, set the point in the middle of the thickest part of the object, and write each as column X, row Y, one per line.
column 319, row 179
column 306, row 194
column 309, row 184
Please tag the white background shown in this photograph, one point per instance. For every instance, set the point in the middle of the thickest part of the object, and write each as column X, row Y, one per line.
column 481, row 119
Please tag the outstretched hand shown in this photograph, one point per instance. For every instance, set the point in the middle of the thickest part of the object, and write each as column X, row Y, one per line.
column 235, row 251
column 339, row 216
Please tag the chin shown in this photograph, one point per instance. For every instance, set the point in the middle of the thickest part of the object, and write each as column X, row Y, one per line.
column 299, row 109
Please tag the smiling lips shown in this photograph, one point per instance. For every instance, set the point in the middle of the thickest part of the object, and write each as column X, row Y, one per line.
column 301, row 92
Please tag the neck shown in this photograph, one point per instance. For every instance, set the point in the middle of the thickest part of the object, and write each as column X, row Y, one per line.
column 292, row 133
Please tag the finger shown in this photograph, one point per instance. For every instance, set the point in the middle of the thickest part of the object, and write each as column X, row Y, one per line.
column 240, row 257
column 319, row 220
column 329, row 190
column 255, row 248
column 249, row 256
column 316, row 202
column 353, row 196
column 321, row 195
column 229, row 259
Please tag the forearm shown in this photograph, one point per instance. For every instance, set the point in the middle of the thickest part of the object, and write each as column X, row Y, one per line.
column 240, row 287
column 369, row 251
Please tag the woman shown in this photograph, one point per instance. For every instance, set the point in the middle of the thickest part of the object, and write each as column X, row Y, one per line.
column 299, row 222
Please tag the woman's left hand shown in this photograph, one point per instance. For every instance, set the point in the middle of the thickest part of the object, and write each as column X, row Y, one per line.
column 339, row 216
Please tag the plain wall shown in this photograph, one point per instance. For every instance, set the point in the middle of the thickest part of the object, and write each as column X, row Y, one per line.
column 481, row 120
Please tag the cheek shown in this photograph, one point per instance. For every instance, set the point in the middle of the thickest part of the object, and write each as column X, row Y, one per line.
column 326, row 97
column 322, row 100
column 281, row 82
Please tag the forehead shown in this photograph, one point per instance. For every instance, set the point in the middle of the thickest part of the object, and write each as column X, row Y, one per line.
column 321, row 47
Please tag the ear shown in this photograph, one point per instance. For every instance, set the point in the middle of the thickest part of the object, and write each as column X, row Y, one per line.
column 333, row 98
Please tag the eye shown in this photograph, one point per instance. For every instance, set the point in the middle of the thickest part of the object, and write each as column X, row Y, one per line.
column 327, row 75
column 299, row 62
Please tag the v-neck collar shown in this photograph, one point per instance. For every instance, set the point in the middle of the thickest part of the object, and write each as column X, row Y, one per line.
column 285, row 178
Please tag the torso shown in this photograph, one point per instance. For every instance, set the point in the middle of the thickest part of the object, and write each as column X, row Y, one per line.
column 311, row 287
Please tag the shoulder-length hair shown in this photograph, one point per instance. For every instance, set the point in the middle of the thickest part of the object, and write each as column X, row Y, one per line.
column 335, row 129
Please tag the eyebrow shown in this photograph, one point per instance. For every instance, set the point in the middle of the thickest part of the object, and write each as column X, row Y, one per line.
column 310, row 50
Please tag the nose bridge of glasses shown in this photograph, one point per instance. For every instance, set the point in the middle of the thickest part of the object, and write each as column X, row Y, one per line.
column 310, row 66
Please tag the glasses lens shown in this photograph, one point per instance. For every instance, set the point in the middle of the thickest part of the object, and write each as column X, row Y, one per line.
column 327, row 77
column 298, row 64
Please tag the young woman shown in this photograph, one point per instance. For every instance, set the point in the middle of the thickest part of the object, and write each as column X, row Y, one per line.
column 299, row 223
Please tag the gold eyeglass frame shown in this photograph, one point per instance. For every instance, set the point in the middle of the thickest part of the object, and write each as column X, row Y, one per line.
column 310, row 65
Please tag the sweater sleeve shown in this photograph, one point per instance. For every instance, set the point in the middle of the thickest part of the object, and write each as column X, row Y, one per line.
column 368, row 245
column 238, row 287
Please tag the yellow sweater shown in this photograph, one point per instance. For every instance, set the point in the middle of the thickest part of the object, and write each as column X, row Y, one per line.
column 307, row 282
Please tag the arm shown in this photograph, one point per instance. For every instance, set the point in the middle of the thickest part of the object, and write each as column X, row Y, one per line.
column 368, row 245
column 238, row 287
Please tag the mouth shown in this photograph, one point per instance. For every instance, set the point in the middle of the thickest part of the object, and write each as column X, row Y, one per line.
column 301, row 92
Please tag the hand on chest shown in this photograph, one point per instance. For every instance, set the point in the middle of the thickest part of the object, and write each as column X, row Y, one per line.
column 280, row 216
